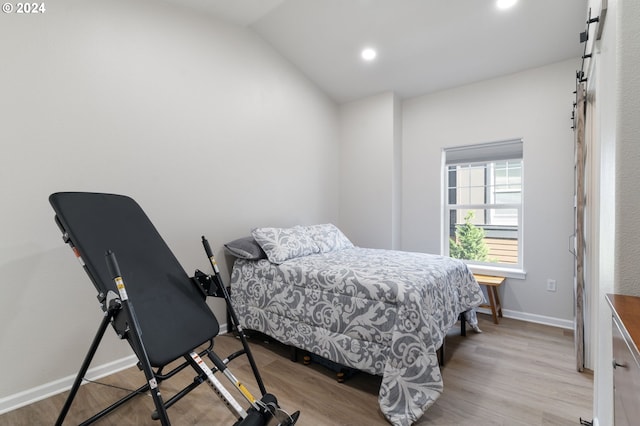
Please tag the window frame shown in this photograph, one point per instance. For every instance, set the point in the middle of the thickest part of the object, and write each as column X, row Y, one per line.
column 504, row 269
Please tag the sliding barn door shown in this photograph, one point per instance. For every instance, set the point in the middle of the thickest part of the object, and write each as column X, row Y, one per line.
column 579, row 246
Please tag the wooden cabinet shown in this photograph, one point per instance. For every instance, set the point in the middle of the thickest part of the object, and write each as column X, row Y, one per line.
column 626, row 358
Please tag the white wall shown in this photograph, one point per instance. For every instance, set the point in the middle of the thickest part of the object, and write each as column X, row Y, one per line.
column 534, row 105
column 628, row 149
column 203, row 124
column 369, row 161
column 614, row 83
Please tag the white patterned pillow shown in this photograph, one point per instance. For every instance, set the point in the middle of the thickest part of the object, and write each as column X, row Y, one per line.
column 281, row 244
column 328, row 237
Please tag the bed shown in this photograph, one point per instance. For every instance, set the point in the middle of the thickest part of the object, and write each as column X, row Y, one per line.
column 384, row 312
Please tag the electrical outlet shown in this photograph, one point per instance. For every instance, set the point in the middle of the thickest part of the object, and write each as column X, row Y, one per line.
column 551, row 285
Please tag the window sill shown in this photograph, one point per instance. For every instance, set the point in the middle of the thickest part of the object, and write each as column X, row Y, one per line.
column 498, row 271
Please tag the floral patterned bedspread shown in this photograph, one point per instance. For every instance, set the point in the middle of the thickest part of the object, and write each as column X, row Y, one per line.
column 380, row 311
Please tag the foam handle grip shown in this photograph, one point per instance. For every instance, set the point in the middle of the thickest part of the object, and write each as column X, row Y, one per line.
column 207, row 247
column 112, row 264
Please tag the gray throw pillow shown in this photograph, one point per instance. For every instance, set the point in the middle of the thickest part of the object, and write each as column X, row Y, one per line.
column 246, row 248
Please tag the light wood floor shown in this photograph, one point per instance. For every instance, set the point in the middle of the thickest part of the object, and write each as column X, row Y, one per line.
column 514, row 373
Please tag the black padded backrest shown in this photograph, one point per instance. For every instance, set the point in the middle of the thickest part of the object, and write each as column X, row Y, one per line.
column 173, row 315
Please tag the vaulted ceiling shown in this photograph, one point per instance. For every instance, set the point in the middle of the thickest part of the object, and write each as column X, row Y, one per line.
column 423, row 45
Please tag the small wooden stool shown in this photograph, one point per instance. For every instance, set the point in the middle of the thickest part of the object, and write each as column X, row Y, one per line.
column 491, row 283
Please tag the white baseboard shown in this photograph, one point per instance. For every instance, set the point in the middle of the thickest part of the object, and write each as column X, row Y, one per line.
column 46, row 390
column 538, row 319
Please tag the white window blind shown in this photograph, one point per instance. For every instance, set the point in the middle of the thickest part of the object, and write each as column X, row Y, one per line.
column 493, row 151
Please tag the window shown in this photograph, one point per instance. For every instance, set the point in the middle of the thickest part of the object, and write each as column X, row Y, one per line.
column 483, row 205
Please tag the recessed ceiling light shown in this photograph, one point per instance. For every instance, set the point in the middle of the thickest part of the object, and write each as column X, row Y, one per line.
column 505, row 4
column 368, row 54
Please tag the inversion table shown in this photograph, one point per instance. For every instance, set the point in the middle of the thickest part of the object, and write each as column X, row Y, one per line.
column 150, row 301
